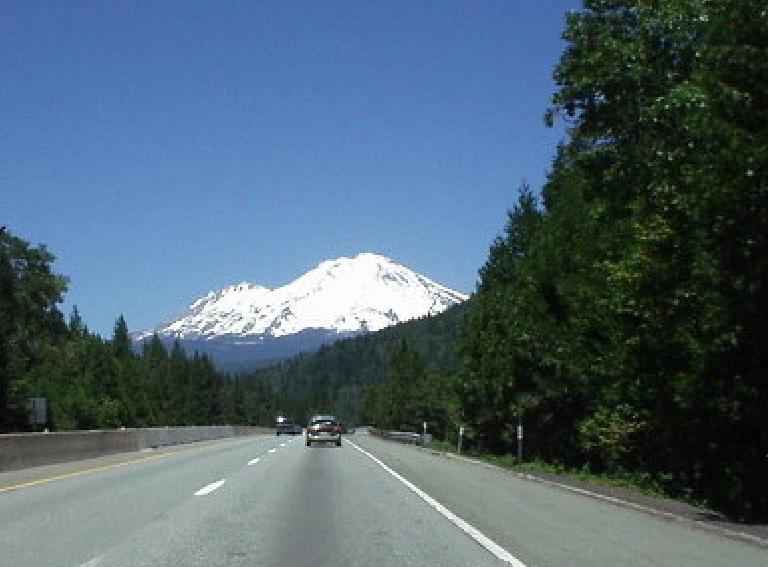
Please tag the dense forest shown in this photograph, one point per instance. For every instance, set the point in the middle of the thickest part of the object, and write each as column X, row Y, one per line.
column 91, row 382
column 336, row 378
column 623, row 314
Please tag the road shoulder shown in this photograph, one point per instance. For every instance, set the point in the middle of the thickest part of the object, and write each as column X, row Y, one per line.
column 666, row 508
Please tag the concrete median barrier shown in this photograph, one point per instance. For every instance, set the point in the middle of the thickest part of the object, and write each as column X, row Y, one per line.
column 243, row 430
column 163, row 436
column 24, row 450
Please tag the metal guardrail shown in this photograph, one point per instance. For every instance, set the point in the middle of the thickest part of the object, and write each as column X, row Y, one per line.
column 408, row 437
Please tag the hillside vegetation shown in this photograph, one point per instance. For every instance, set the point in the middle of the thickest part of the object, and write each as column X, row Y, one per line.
column 336, row 378
column 621, row 313
column 91, row 382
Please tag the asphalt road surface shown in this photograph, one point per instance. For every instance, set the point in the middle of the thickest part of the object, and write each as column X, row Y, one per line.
column 272, row 501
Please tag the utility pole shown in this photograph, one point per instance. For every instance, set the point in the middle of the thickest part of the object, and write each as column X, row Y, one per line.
column 461, row 434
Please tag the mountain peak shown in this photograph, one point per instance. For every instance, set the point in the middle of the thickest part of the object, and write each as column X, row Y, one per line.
column 343, row 296
column 363, row 258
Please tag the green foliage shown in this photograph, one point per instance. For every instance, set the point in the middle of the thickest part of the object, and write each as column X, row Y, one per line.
column 92, row 383
column 338, row 378
column 29, row 318
column 610, row 433
column 409, row 396
column 624, row 319
column 121, row 340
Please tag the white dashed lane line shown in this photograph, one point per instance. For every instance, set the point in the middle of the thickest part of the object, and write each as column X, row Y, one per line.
column 207, row 489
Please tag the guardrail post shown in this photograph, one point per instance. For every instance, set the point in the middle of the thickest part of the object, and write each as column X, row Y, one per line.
column 520, row 436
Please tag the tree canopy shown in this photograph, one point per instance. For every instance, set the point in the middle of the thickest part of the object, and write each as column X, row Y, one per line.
column 623, row 316
column 91, row 382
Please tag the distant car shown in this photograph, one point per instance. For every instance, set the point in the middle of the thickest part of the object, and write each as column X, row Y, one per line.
column 324, row 429
column 287, row 426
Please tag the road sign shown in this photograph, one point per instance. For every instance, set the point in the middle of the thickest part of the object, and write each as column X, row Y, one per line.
column 38, row 410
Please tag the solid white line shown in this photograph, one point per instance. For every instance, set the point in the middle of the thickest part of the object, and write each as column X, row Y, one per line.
column 253, row 461
column 207, row 489
column 272, row 451
column 466, row 527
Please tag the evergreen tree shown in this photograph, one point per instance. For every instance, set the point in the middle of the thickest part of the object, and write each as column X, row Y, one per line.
column 29, row 320
column 489, row 376
column 121, row 340
column 627, row 325
column 76, row 325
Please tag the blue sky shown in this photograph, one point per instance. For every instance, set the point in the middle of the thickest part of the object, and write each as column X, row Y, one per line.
column 164, row 149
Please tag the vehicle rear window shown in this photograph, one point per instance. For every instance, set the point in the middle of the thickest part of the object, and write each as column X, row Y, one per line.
column 324, row 422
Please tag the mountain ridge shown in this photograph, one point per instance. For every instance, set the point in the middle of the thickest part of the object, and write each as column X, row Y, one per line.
column 339, row 298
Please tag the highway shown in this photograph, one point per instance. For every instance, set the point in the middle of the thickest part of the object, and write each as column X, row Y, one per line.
column 271, row 501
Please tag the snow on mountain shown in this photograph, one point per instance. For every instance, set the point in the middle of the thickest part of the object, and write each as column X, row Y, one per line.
column 344, row 296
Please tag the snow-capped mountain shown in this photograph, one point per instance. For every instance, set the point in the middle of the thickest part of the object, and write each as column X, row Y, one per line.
column 338, row 298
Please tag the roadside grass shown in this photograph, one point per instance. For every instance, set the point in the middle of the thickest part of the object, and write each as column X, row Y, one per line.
column 640, row 482
column 441, row 446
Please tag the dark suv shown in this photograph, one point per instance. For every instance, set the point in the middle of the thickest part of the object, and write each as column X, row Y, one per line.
column 324, row 429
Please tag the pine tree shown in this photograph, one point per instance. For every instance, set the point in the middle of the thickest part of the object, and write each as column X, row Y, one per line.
column 121, row 340
column 486, row 384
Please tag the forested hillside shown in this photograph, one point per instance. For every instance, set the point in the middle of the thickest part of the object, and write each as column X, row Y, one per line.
column 623, row 313
column 91, row 382
column 335, row 378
